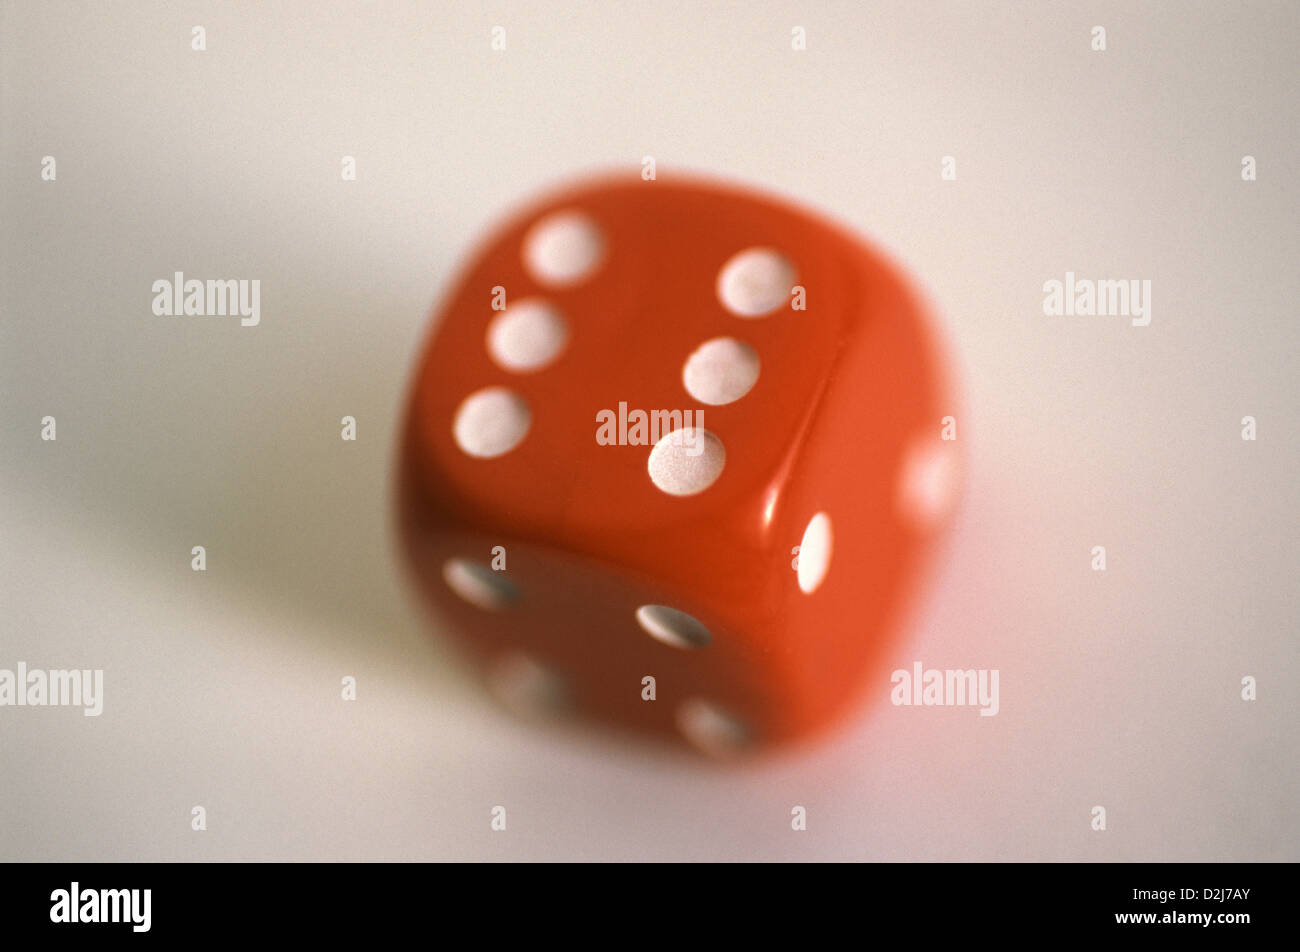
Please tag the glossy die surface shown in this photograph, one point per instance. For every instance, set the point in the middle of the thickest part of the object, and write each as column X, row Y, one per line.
column 799, row 365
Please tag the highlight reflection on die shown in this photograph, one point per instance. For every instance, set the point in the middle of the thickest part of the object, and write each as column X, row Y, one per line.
column 673, row 459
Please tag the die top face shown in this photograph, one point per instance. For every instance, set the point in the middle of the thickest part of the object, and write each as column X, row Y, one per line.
column 667, row 305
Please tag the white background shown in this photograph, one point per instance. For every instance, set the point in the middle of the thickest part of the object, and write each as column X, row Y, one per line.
column 1118, row 689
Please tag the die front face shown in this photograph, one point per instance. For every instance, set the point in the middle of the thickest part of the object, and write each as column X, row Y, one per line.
column 685, row 382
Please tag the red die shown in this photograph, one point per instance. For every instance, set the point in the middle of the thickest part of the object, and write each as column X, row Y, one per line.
column 640, row 399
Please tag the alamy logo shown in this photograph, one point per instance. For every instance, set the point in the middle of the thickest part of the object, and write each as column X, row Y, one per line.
column 1104, row 298
column 53, row 688
column 103, row 905
column 946, row 688
column 639, row 428
column 211, row 298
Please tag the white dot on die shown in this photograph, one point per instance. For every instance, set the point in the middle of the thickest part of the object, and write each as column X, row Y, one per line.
column 927, row 483
column 720, row 371
column 755, row 282
column 527, row 335
column 815, row 553
column 527, row 687
column 673, row 627
column 686, row 461
column 491, row 421
column 563, row 248
column 712, row 728
column 479, row 585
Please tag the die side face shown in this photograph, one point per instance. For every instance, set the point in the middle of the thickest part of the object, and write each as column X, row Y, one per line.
column 575, row 622
column 874, row 448
column 672, row 561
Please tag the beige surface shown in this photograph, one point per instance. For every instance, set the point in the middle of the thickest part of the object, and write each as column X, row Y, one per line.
column 222, row 688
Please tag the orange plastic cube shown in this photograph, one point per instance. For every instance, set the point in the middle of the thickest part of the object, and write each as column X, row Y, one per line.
column 672, row 460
